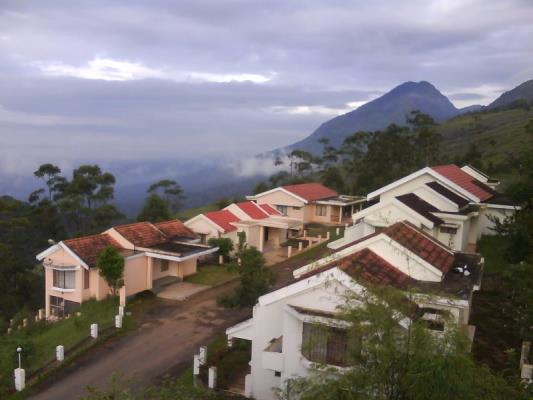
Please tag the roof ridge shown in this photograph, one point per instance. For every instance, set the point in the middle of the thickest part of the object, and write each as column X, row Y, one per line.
column 87, row 237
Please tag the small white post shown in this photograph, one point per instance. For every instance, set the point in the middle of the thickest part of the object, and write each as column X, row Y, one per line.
column 300, row 246
column 196, row 365
column 230, row 343
column 25, row 322
column 212, row 379
column 337, row 231
column 41, row 313
column 305, row 233
column 9, row 330
column 239, row 261
column 20, row 379
column 94, row 331
column 60, row 353
column 118, row 321
column 319, row 238
column 289, row 251
column 203, row 355
column 221, row 260
column 327, row 235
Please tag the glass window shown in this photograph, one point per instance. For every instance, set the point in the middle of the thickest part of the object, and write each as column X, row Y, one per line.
column 448, row 229
column 164, row 265
column 324, row 344
column 282, row 209
column 64, row 279
column 321, row 210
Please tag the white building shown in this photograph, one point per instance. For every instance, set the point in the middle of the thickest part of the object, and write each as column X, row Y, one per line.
column 455, row 205
column 401, row 256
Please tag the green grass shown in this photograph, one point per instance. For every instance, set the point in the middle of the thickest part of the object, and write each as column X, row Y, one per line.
column 213, row 274
column 39, row 340
column 495, row 134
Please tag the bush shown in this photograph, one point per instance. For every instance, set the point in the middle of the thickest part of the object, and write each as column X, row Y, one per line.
column 225, row 246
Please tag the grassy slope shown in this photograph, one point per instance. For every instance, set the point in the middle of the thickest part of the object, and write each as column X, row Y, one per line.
column 192, row 212
column 494, row 134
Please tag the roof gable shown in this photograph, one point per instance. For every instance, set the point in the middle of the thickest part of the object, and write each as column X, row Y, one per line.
column 421, row 244
column 223, row 218
column 141, row 234
column 311, row 191
column 466, row 181
column 88, row 248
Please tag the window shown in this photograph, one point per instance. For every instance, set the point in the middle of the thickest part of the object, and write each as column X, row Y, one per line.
column 324, row 344
column 282, row 209
column 64, row 279
column 432, row 318
column 321, row 211
column 277, row 373
column 163, row 265
column 86, row 279
column 452, row 230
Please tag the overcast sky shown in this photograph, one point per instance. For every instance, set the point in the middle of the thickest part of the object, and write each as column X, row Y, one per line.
column 158, row 80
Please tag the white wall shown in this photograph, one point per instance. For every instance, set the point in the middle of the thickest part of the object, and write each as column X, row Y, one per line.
column 408, row 187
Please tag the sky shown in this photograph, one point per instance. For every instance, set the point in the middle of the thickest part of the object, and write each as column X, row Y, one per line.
column 142, row 81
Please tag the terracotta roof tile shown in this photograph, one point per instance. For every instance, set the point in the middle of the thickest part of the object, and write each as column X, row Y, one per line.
column 420, row 243
column 252, row 210
column 223, row 218
column 175, row 229
column 464, row 180
column 142, row 234
column 311, row 191
column 269, row 210
column 88, row 248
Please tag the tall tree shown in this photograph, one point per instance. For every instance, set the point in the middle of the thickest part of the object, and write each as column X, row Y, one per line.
column 155, row 209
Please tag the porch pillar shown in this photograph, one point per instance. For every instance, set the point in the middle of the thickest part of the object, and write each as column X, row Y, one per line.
column 341, row 210
column 149, row 277
column 261, row 238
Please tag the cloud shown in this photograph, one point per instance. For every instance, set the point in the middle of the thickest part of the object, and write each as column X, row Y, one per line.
column 113, row 70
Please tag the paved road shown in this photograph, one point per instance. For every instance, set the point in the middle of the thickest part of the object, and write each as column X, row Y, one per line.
column 166, row 341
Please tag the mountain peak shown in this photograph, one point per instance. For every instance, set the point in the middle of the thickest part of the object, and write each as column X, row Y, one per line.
column 377, row 114
column 524, row 91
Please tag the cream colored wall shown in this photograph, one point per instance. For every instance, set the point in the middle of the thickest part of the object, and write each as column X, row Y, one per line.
column 99, row 288
column 203, row 227
column 135, row 275
column 436, row 200
column 310, row 214
column 187, row 267
column 281, row 198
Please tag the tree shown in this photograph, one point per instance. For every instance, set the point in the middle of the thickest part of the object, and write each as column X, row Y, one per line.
column 155, row 209
column 111, row 268
column 256, row 280
column 395, row 358
column 170, row 191
column 225, row 246
column 260, row 187
column 49, row 173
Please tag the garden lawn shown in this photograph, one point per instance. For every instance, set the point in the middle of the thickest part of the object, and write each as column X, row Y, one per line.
column 39, row 340
column 212, row 275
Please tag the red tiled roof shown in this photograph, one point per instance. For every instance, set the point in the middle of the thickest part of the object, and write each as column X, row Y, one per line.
column 175, row 229
column 142, row 234
column 369, row 267
column 88, row 248
column 424, row 246
column 269, row 210
column 223, row 218
column 464, row 180
column 311, row 191
column 252, row 210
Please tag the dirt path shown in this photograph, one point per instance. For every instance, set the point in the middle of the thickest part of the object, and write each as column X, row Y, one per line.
column 169, row 335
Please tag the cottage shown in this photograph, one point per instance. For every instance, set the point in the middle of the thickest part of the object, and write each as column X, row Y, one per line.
column 153, row 253
column 401, row 256
column 310, row 202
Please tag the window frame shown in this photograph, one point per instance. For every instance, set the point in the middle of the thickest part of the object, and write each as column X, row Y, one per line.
column 164, row 265
column 327, row 349
column 59, row 280
column 282, row 209
column 321, row 210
